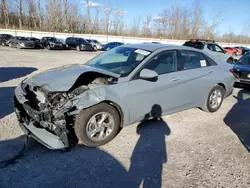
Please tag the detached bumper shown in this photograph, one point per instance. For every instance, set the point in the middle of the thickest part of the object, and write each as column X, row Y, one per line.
column 44, row 137
column 29, row 122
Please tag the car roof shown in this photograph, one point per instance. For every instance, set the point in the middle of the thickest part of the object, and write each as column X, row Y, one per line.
column 152, row 47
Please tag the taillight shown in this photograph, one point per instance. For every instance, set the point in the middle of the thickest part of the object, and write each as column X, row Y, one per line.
column 232, row 71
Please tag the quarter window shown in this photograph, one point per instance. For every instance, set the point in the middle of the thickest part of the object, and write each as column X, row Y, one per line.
column 192, row 60
column 164, row 62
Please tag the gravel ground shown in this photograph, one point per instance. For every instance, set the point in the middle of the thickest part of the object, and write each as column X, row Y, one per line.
column 188, row 149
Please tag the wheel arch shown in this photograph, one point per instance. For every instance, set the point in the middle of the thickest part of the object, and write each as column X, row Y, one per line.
column 222, row 85
column 119, row 110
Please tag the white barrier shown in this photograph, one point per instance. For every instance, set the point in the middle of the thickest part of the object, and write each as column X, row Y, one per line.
column 102, row 38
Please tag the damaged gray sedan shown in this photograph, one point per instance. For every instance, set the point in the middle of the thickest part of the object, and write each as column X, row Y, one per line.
column 91, row 102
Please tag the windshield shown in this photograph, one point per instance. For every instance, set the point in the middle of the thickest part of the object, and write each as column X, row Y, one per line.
column 97, row 42
column 52, row 39
column 244, row 60
column 21, row 38
column 120, row 60
column 197, row 45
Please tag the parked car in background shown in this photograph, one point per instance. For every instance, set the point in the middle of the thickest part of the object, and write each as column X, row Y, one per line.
column 78, row 44
column 244, row 49
column 209, row 46
column 241, row 70
column 91, row 102
column 111, row 45
column 231, row 50
column 51, row 43
column 4, row 38
column 36, row 41
column 95, row 44
column 238, row 50
column 21, row 42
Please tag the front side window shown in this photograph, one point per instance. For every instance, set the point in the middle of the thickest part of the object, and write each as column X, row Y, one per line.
column 192, row 60
column 120, row 60
column 164, row 62
column 218, row 49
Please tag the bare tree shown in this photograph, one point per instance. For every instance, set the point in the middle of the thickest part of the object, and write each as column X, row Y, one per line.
column 96, row 22
column 20, row 13
column 147, row 27
column 107, row 13
column 66, row 16
column 88, row 5
column 32, row 14
column 135, row 29
column 197, row 19
column 40, row 14
column 4, row 8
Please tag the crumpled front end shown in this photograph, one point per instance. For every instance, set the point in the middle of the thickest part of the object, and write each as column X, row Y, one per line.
column 46, row 125
column 49, row 116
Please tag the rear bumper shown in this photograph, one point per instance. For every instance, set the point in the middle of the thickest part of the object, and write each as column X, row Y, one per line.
column 29, row 121
column 242, row 81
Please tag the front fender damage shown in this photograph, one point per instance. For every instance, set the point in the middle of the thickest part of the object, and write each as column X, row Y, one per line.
column 49, row 116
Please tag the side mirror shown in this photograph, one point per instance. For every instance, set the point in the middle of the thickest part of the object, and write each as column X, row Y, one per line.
column 148, row 74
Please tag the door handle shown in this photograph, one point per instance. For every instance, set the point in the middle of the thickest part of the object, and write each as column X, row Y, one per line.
column 175, row 79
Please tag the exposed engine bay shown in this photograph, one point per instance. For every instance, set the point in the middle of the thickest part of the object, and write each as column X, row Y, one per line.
column 55, row 111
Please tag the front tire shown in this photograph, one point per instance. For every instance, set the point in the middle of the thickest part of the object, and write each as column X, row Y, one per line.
column 18, row 46
column 78, row 48
column 97, row 125
column 214, row 100
column 48, row 47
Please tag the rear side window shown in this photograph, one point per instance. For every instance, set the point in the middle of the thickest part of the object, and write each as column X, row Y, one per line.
column 192, row 60
column 197, row 45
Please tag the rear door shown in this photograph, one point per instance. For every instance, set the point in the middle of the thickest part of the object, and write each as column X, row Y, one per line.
column 199, row 75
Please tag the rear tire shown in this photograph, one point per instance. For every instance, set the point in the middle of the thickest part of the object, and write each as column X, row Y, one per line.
column 209, row 105
column 84, row 126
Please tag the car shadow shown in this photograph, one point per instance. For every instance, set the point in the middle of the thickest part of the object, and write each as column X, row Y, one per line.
column 80, row 167
column 238, row 118
column 9, row 73
column 6, row 104
column 89, row 167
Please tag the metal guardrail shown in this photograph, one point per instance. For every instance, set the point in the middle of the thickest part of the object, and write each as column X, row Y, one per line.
column 102, row 38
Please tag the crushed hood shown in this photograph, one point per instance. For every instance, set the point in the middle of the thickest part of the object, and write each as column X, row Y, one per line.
column 62, row 78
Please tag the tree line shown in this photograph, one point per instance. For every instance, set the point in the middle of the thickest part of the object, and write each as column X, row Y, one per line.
column 84, row 16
